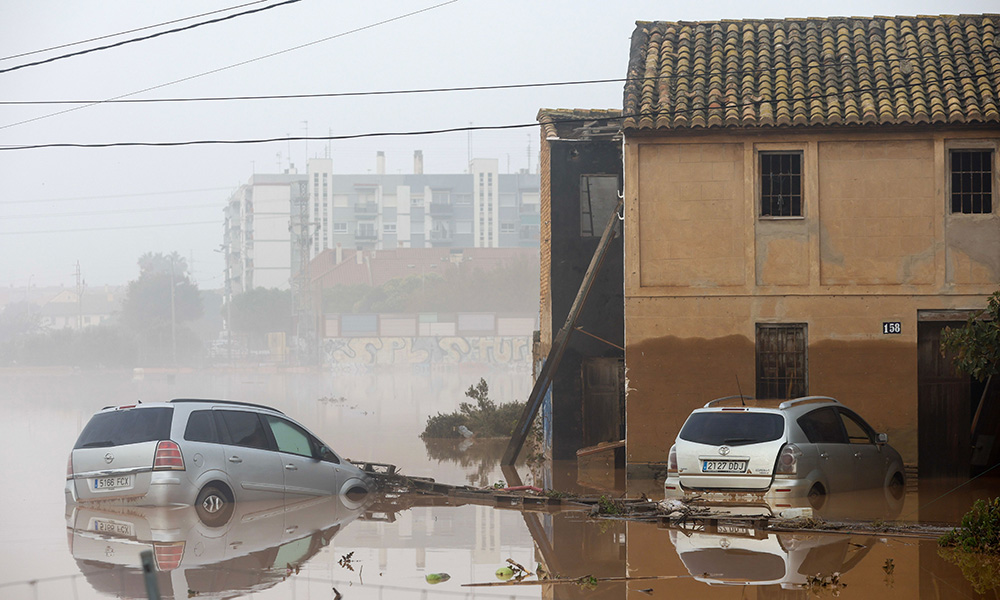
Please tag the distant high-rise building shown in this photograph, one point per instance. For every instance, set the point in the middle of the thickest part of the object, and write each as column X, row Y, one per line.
column 274, row 220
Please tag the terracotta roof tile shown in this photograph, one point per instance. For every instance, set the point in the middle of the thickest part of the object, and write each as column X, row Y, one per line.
column 814, row 72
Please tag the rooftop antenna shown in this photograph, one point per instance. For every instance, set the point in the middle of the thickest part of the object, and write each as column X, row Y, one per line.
column 739, row 389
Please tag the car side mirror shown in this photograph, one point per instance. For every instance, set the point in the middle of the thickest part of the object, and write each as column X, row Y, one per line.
column 882, row 438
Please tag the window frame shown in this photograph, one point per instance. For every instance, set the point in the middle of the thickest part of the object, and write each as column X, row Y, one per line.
column 763, row 383
column 994, row 179
column 759, row 182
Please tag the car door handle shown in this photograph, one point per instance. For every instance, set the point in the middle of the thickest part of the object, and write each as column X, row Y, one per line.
column 291, row 467
column 857, row 455
column 291, row 529
column 235, row 459
column 824, row 455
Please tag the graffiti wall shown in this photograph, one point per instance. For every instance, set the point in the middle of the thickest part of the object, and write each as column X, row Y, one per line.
column 368, row 352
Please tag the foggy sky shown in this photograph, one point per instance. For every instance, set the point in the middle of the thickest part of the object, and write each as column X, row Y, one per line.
column 120, row 199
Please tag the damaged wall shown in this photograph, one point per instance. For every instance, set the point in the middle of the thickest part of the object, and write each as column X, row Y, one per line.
column 876, row 242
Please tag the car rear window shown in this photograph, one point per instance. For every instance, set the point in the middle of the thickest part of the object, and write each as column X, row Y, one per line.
column 733, row 428
column 121, row 427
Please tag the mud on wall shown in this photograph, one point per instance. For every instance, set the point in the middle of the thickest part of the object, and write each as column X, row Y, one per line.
column 683, row 352
column 507, row 351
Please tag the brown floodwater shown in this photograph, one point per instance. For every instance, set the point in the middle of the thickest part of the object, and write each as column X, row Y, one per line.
column 322, row 547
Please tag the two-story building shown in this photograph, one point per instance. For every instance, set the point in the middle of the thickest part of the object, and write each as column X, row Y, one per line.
column 808, row 202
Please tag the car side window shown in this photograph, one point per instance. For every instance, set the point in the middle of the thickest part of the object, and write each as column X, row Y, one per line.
column 201, row 427
column 245, row 429
column 823, row 426
column 291, row 438
column 857, row 432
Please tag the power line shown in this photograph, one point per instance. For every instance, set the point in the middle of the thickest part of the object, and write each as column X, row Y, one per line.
column 654, row 113
column 83, row 229
column 111, row 35
column 122, row 211
column 146, row 37
column 702, row 73
column 109, row 196
column 239, row 64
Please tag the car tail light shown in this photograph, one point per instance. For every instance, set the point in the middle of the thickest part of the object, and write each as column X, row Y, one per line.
column 168, row 457
column 788, row 460
column 672, row 460
column 69, row 466
column 168, row 555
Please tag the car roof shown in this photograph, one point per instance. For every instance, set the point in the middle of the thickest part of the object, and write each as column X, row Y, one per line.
column 750, row 402
column 207, row 401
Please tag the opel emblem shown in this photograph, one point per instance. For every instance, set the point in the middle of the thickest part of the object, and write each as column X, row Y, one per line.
column 108, row 458
column 723, row 450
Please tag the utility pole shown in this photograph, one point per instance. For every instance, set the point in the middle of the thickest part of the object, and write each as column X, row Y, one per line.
column 173, row 314
column 80, row 285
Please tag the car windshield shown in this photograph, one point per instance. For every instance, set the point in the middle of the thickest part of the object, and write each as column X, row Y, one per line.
column 122, row 427
column 733, row 428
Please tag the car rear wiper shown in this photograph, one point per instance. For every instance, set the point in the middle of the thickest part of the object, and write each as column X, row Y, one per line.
column 101, row 444
column 734, row 440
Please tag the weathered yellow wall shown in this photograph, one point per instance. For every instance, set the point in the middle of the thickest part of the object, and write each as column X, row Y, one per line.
column 876, row 243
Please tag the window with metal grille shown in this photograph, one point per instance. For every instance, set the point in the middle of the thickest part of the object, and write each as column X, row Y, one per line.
column 781, row 184
column 782, row 368
column 972, row 181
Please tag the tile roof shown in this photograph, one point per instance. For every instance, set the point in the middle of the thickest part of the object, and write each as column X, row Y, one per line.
column 816, row 71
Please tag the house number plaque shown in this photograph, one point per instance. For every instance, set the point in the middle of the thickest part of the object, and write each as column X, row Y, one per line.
column 892, row 327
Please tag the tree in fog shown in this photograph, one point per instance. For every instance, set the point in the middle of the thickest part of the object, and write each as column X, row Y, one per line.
column 261, row 311
column 157, row 319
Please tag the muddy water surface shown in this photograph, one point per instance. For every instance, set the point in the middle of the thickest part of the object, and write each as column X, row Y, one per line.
column 319, row 548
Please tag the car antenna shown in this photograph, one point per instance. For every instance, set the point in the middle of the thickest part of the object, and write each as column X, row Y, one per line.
column 739, row 389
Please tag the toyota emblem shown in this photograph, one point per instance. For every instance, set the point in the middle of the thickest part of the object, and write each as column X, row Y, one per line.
column 108, row 458
column 724, row 450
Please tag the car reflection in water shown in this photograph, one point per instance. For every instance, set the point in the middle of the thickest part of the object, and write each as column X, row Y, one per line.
column 259, row 546
column 733, row 555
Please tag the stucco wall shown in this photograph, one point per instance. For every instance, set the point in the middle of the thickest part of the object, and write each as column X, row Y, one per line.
column 876, row 243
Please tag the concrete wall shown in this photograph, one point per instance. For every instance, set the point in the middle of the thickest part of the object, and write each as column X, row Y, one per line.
column 876, row 243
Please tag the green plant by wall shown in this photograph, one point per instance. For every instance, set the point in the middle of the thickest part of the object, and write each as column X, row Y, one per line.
column 979, row 530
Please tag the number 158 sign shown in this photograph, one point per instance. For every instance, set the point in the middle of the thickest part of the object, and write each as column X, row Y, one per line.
column 893, row 327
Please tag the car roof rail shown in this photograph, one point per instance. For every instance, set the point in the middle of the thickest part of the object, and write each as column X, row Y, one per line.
column 806, row 400
column 723, row 399
column 227, row 402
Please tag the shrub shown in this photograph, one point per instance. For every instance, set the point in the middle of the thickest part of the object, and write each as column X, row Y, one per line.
column 979, row 531
column 485, row 418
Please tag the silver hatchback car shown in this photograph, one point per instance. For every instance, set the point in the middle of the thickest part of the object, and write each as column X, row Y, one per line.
column 808, row 447
column 206, row 453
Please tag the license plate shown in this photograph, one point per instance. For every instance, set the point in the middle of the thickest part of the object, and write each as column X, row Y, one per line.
column 733, row 530
column 113, row 483
column 113, row 527
column 724, row 466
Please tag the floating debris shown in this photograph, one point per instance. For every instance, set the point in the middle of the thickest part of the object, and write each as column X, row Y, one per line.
column 434, row 578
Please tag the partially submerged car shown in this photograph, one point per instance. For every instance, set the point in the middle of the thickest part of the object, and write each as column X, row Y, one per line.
column 206, row 453
column 738, row 447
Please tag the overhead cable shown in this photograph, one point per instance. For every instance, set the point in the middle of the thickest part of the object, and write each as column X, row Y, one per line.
column 474, row 88
column 239, row 64
column 654, row 113
column 137, row 29
column 146, row 37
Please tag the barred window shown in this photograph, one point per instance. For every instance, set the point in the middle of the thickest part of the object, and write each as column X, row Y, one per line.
column 972, row 181
column 782, row 368
column 781, row 184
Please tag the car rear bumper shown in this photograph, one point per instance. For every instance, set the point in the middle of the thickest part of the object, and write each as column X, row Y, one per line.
column 778, row 490
column 165, row 488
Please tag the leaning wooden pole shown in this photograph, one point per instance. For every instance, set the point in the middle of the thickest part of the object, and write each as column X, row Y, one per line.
column 559, row 345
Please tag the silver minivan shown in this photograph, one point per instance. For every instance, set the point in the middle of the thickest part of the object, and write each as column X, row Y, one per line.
column 206, row 453
column 801, row 448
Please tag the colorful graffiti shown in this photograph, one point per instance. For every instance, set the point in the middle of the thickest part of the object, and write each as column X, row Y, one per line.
column 506, row 351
